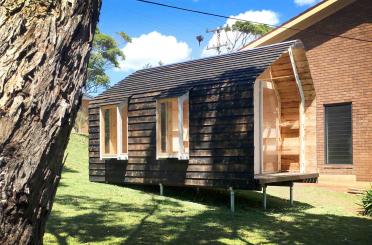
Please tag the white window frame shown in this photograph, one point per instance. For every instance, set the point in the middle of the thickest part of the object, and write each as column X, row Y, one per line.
column 122, row 155
column 119, row 134
column 181, row 154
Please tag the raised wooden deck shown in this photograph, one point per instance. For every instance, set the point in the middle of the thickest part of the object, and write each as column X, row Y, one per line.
column 285, row 177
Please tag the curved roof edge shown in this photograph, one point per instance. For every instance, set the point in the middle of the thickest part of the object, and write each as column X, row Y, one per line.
column 238, row 65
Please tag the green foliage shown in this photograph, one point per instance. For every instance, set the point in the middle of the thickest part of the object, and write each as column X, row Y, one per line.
column 367, row 202
column 124, row 36
column 105, row 55
column 242, row 32
column 251, row 28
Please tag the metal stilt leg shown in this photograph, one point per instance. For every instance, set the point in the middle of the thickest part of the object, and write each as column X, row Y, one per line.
column 291, row 194
column 232, row 199
column 161, row 189
column 264, row 200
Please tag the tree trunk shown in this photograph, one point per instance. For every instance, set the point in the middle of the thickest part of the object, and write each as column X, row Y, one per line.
column 44, row 51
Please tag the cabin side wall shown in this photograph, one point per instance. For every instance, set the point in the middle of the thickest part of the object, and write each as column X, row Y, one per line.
column 221, row 141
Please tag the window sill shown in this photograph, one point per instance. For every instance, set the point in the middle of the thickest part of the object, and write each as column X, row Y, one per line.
column 174, row 156
column 123, row 156
column 115, row 156
column 338, row 166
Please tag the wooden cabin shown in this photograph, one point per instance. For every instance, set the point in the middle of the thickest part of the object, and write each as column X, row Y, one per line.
column 337, row 37
column 242, row 120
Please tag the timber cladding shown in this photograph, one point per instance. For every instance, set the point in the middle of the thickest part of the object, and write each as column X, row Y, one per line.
column 221, row 141
column 221, row 122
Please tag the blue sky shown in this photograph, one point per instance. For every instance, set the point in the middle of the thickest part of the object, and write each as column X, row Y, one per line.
column 168, row 35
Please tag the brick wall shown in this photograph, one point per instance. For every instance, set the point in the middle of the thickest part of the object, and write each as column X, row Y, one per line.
column 342, row 72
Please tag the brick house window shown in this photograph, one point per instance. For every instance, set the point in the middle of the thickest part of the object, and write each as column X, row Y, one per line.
column 338, row 134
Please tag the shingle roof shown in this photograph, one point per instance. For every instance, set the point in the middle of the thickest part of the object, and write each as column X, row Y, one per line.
column 243, row 66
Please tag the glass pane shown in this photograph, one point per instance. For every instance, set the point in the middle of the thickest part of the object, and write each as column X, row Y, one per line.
column 113, row 131
column 270, row 134
column 163, row 127
column 110, row 131
column 174, row 122
column 107, row 130
column 186, row 125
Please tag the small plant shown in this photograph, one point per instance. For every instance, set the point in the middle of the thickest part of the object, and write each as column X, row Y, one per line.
column 367, row 202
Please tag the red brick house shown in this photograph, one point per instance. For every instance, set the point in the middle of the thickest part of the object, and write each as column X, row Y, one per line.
column 337, row 35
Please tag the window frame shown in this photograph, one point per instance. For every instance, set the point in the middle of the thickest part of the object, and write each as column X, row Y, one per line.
column 119, row 155
column 181, row 154
column 326, row 160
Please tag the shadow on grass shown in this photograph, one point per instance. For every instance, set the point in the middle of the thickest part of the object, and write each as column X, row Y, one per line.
column 221, row 197
column 68, row 170
column 167, row 221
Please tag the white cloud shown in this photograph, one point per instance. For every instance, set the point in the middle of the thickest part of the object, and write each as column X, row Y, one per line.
column 305, row 2
column 151, row 48
column 262, row 16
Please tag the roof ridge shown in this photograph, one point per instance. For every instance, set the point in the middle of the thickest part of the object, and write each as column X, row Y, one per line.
column 215, row 56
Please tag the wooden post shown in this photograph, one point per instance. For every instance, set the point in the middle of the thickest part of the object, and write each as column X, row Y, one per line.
column 264, row 202
column 302, row 111
column 161, row 189
column 232, row 199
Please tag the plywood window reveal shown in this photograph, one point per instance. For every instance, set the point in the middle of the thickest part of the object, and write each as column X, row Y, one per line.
column 270, row 128
column 114, row 131
column 172, row 122
column 267, row 115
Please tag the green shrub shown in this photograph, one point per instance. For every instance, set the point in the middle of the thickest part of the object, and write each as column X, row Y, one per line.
column 367, row 202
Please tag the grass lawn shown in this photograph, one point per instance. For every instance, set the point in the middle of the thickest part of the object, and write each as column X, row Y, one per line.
column 93, row 213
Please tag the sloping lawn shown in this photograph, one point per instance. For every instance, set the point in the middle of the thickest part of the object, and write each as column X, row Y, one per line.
column 93, row 213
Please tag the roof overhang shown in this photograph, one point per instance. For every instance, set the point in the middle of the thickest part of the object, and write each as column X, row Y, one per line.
column 300, row 22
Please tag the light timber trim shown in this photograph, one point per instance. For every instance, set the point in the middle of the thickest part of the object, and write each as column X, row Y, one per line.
column 183, row 155
column 119, row 131
column 302, row 111
column 180, row 154
column 278, row 123
column 257, row 98
column 122, row 111
column 266, row 76
column 102, row 132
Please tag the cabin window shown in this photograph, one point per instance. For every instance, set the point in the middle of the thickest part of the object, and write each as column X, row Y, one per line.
column 338, row 134
column 114, row 131
column 173, row 127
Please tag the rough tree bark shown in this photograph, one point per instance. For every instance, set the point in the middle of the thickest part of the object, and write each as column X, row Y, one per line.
column 44, row 51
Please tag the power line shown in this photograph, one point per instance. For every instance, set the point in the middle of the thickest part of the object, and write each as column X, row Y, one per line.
column 253, row 22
